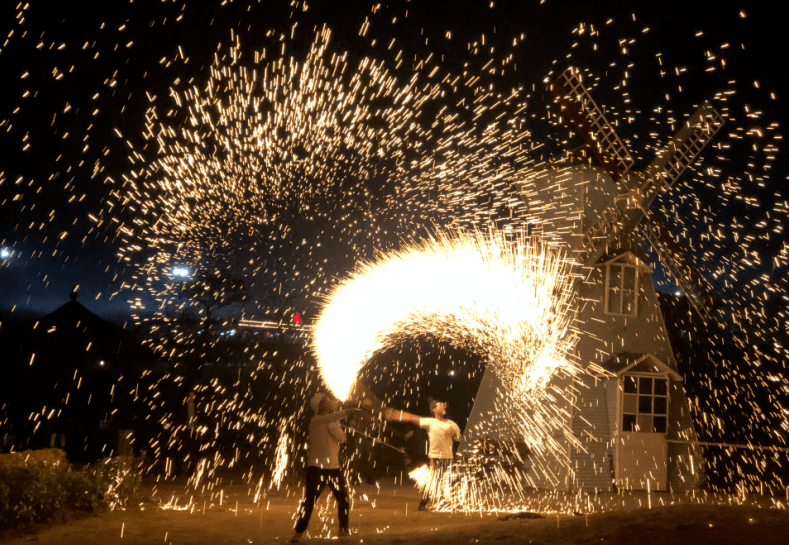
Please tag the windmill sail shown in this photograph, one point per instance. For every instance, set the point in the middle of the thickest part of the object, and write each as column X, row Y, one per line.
column 671, row 162
column 681, row 151
column 626, row 212
column 608, row 149
column 684, row 275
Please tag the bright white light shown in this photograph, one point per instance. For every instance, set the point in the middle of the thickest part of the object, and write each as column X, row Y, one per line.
column 180, row 271
column 5, row 253
column 474, row 290
column 677, row 293
column 510, row 301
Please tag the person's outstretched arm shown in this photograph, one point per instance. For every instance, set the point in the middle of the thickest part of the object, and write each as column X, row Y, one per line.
column 401, row 416
column 333, row 417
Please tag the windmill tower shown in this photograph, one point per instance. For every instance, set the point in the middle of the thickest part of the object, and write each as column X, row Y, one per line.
column 630, row 412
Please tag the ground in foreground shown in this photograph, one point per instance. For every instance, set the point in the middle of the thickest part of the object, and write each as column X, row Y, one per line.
column 171, row 514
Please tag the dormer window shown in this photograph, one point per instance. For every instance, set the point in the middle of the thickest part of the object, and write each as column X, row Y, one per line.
column 622, row 284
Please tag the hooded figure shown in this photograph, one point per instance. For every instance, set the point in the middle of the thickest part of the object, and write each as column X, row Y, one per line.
column 323, row 465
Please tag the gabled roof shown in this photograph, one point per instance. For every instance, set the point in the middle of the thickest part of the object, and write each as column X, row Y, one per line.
column 628, row 362
column 74, row 315
column 73, row 333
column 624, row 257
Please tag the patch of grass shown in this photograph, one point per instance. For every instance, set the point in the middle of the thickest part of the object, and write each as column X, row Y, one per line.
column 38, row 486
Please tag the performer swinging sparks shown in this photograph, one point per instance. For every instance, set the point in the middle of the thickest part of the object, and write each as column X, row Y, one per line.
column 323, row 467
column 441, row 432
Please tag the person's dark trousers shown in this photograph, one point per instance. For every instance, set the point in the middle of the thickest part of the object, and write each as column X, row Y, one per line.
column 440, row 465
column 317, row 478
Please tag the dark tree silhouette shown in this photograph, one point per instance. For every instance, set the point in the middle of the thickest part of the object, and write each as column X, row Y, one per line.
column 214, row 290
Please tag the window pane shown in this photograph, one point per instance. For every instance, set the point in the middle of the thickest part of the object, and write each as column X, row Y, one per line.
column 661, row 405
column 628, row 422
column 614, row 300
column 661, row 386
column 630, row 403
column 629, row 303
column 629, row 278
column 644, row 385
column 659, row 424
column 615, row 280
column 645, row 404
column 631, row 385
column 614, row 289
column 644, row 422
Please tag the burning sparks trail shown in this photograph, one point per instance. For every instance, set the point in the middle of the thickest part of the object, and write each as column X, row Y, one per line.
column 281, row 460
column 272, row 154
column 260, row 171
column 507, row 299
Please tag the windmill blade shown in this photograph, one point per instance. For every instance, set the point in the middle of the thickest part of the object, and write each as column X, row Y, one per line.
column 607, row 148
column 680, row 152
column 627, row 211
column 684, row 275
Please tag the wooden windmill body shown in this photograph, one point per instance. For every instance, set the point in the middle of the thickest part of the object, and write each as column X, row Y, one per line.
column 629, row 411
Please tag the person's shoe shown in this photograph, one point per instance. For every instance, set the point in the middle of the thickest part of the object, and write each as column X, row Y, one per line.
column 422, row 508
column 296, row 537
column 345, row 532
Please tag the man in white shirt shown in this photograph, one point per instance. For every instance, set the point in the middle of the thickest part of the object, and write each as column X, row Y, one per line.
column 441, row 432
column 323, row 465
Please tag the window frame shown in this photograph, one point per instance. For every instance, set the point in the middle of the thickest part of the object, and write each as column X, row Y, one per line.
column 635, row 292
column 637, row 395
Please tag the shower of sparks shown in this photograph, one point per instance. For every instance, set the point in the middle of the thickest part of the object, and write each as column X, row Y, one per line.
column 283, row 169
column 473, row 487
column 281, row 458
column 304, row 163
column 433, row 483
column 508, row 299
column 302, row 156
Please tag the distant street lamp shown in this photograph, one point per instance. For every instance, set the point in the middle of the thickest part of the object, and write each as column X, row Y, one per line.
column 5, row 253
column 183, row 272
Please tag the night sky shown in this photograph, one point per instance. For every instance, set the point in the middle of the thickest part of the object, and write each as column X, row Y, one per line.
column 78, row 79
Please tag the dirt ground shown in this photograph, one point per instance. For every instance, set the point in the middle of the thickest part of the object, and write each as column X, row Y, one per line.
column 171, row 514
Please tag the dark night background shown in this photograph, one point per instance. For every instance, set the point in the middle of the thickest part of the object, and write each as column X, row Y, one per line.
column 54, row 164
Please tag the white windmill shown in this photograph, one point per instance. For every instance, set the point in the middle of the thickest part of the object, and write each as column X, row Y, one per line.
column 630, row 412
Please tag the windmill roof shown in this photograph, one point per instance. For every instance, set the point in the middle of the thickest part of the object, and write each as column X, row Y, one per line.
column 638, row 363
